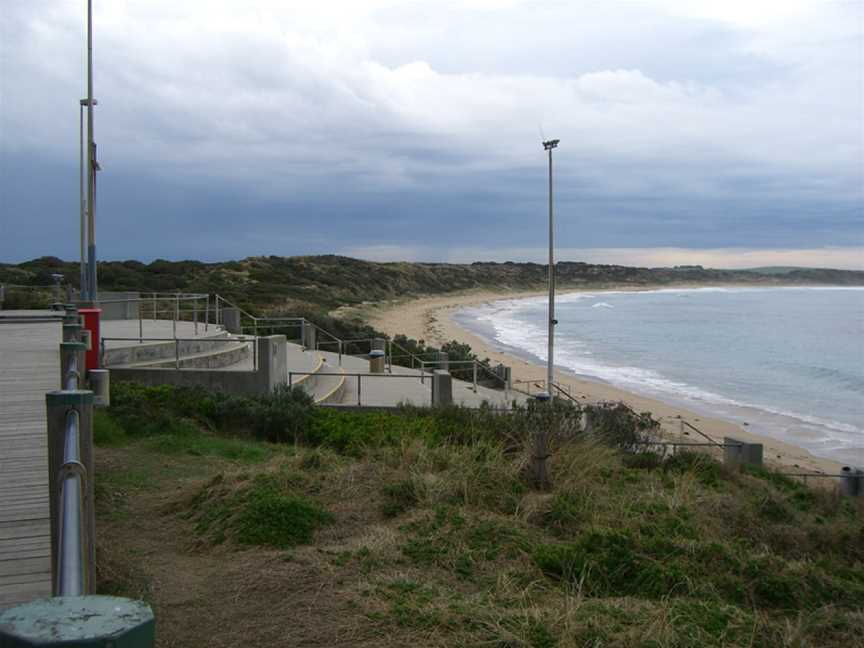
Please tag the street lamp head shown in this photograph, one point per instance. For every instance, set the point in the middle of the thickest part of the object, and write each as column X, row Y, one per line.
column 550, row 144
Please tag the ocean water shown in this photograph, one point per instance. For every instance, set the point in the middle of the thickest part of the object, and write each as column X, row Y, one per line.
column 789, row 362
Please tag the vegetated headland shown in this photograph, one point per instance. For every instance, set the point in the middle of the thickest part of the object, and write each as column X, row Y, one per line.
column 270, row 521
column 325, row 283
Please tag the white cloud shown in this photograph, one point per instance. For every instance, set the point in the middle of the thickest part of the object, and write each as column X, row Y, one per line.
column 280, row 96
column 851, row 258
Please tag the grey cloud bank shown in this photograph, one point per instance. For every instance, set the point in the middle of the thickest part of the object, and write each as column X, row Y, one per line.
column 229, row 129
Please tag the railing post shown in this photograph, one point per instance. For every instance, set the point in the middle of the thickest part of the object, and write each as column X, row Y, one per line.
column 140, row 324
column 59, row 404
column 176, row 315
column 359, row 400
column 207, row 313
column 72, row 359
column 195, row 314
column 71, row 332
column 176, row 353
column 852, row 482
column 340, row 353
column 290, row 379
column 475, row 376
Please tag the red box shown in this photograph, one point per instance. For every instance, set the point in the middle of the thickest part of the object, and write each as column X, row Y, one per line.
column 90, row 318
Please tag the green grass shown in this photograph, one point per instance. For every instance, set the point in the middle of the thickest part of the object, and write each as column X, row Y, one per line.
column 265, row 510
column 431, row 519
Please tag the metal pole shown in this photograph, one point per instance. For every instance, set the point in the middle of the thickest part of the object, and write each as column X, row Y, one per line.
column 340, row 353
column 550, row 364
column 82, row 290
column 176, row 313
column 176, row 353
column 359, row 380
column 207, row 313
column 195, row 314
column 92, row 288
column 475, row 376
column 140, row 322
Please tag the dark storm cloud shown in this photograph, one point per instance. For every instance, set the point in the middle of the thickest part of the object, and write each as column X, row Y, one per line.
column 228, row 130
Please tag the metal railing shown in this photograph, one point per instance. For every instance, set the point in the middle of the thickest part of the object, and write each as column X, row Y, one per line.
column 359, row 377
column 178, row 357
column 70, row 410
column 71, row 559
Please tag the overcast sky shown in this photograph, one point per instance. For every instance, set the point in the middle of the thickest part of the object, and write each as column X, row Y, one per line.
column 726, row 133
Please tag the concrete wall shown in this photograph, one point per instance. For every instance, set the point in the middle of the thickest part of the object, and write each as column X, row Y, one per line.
column 272, row 371
column 153, row 351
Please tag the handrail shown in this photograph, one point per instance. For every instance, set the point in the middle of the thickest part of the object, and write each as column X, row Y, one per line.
column 564, row 393
column 70, row 552
column 412, row 355
column 358, row 376
column 698, row 431
column 232, row 305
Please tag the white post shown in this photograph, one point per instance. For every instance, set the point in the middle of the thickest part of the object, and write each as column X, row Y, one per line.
column 550, row 364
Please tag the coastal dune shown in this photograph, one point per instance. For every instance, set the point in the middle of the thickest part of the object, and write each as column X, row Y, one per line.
column 430, row 319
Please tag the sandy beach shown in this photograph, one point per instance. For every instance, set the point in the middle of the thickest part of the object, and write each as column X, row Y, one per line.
column 429, row 319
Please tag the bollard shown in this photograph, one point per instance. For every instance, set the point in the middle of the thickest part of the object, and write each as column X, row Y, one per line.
column 539, row 455
column 852, row 482
column 442, row 388
column 587, row 423
column 69, row 352
column 740, row 453
column 100, row 384
column 58, row 405
column 376, row 361
column 82, row 621
column 377, row 355
column 231, row 320
column 308, row 332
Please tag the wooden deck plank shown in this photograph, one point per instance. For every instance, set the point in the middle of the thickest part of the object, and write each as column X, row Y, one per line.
column 29, row 368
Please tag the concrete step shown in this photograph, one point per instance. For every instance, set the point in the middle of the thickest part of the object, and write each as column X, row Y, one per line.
column 133, row 353
column 222, row 355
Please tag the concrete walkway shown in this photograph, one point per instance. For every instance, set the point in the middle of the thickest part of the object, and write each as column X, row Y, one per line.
column 346, row 387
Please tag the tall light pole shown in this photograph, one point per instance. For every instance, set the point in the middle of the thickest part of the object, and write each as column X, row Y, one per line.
column 550, row 362
column 92, row 166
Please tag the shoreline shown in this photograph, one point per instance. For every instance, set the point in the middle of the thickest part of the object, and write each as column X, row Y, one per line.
column 430, row 318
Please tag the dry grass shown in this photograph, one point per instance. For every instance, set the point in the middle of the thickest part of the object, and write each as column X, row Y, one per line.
column 437, row 545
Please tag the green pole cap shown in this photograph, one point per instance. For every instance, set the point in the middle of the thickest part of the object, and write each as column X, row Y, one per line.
column 80, row 621
column 73, row 346
column 68, row 397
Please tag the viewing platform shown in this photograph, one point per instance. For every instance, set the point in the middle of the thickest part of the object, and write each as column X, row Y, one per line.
column 30, row 363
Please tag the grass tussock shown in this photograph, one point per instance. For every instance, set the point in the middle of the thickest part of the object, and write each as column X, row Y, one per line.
column 424, row 526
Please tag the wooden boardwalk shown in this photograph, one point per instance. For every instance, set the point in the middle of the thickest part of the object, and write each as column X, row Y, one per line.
column 29, row 367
